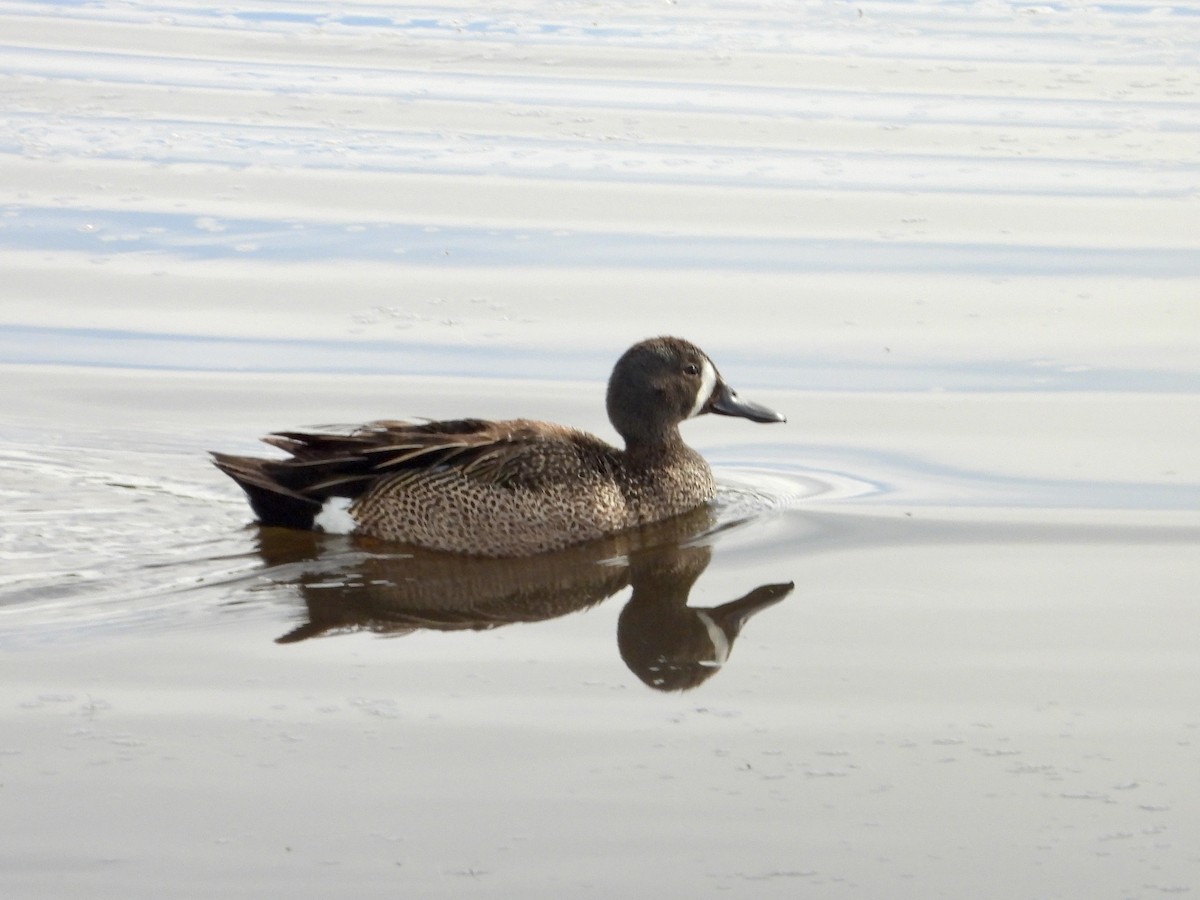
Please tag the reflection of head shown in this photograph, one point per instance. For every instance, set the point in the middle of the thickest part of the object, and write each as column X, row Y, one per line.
column 657, row 633
column 669, row 645
column 662, row 673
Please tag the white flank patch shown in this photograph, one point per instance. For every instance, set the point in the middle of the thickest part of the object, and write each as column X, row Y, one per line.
column 334, row 517
column 708, row 381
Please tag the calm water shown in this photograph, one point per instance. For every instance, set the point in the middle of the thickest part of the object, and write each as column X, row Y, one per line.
column 936, row 637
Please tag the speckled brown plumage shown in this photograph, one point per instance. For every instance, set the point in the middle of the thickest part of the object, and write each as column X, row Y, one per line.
column 509, row 488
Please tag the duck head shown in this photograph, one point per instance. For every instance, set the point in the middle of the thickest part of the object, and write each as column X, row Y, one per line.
column 658, row 383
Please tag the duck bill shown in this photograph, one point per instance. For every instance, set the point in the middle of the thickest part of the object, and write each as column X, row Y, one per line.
column 726, row 402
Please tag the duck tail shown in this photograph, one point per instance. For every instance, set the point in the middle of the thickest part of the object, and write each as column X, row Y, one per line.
column 273, row 503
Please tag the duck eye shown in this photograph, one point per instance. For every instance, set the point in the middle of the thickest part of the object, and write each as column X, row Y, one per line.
column 691, row 369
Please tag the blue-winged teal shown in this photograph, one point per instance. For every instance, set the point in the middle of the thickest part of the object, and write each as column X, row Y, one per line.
column 511, row 488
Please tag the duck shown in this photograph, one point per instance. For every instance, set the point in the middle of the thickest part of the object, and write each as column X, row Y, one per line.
column 508, row 488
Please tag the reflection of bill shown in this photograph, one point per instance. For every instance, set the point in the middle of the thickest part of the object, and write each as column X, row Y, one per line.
column 360, row 584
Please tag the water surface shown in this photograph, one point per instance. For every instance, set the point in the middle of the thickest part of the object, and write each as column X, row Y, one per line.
column 937, row 635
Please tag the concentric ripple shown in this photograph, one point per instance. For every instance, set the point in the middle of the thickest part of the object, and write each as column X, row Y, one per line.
column 752, row 492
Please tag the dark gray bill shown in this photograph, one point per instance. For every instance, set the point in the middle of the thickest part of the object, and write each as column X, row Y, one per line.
column 726, row 402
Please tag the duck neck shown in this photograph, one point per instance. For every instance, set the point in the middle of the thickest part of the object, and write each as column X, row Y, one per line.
column 649, row 451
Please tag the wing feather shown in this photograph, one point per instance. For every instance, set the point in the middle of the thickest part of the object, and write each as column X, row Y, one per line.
column 323, row 464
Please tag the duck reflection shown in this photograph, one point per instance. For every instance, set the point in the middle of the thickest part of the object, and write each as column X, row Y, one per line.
column 359, row 584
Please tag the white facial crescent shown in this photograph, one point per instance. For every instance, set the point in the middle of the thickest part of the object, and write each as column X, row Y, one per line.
column 708, row 381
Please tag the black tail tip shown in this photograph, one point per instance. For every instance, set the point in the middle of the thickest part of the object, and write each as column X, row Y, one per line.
column 273, row 503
